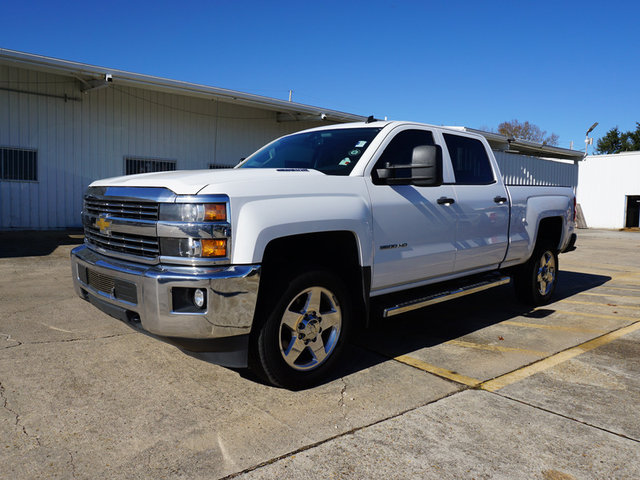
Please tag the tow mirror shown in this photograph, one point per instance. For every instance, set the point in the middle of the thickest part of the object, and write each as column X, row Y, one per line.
column 424, row 170
column 426, row 166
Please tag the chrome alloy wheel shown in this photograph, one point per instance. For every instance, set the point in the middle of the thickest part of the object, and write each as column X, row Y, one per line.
column 310, row 328
column 546, row 276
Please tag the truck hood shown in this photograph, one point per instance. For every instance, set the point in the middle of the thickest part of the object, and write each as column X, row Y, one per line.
column 190, row 182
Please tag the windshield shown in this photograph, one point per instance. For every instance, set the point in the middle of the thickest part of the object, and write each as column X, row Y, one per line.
column 333, row 152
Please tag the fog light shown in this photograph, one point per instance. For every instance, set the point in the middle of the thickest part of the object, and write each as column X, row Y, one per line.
column 198, row 298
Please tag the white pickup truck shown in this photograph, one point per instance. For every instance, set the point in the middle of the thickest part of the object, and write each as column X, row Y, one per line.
column 274, row 263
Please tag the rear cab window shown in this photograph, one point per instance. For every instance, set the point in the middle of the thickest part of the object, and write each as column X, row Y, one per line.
column 469, row 159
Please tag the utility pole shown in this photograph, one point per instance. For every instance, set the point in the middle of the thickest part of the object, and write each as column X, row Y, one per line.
column 290, row 94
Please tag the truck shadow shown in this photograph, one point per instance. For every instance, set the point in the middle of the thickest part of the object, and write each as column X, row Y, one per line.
column 438, row 324
column 36, row 243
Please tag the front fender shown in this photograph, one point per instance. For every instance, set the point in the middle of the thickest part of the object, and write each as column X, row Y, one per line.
column 261, row 221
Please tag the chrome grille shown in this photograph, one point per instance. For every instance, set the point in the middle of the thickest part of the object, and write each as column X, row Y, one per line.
column 143, row 246
column 129, row 244
column 100, row 282
column 115, row 287
column 122, row 208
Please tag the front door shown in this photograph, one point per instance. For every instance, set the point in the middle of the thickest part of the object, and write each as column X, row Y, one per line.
column 413, row 227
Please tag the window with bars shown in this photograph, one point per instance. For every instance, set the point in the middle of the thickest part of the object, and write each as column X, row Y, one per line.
column 133, row 165
column 18, row 164
column 216, row 166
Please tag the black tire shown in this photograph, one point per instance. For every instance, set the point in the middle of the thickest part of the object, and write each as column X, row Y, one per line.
column 303, row 333
column 535, row 281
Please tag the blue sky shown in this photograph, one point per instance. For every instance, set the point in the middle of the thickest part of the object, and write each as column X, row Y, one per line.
column 561, row 65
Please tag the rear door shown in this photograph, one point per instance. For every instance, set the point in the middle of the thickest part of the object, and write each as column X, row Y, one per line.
column 413, row 228
column 482, row 205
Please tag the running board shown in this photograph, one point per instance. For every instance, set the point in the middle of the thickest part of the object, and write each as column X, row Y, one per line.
column 493, row 281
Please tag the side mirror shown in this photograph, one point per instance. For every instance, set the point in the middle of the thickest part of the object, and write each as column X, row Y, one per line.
column 425, row 169
column 426, row 166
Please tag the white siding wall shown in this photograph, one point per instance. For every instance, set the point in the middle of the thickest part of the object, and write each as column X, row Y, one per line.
column 605, row 182
column 525, row 170
column 80, row 141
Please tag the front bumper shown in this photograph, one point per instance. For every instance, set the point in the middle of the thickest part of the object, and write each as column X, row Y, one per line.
column 232, row 293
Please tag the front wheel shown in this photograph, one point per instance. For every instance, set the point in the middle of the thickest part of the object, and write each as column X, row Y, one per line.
column 304, row 332
column 536, row 280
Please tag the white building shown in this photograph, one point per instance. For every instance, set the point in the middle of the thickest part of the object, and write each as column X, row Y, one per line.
column 64, row 124
column 609, row 190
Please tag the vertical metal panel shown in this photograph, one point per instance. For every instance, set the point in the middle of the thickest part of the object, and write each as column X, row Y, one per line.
column 526, row 170
column 81, row 141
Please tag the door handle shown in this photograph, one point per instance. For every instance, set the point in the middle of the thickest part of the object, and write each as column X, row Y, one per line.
column 445, row 201
column 500, row 199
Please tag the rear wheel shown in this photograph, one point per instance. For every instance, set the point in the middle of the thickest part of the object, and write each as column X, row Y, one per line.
column 303, row 333
column 535, row 281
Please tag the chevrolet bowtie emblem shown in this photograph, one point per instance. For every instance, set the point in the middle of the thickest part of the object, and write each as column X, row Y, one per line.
column 103, row 224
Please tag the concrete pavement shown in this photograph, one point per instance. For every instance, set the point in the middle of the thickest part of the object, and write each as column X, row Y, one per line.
column 85, row 396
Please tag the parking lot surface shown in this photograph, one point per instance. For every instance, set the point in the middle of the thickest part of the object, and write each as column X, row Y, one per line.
column 479, row 387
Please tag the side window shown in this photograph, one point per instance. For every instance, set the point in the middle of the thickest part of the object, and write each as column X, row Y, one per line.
column 400, row 150
column 469, row 159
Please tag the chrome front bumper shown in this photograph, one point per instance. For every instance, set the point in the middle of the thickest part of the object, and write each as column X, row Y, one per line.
column 232, row 293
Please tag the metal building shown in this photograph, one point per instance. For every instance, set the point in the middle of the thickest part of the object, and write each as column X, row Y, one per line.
column 609, row 190
column 64, row 124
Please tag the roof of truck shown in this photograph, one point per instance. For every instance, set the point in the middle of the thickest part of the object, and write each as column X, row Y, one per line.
column 497, row 141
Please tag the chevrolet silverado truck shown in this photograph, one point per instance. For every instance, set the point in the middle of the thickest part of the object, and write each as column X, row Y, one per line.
column 275, row 263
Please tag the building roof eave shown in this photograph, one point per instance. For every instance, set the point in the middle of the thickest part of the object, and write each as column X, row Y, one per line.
column 87, row 73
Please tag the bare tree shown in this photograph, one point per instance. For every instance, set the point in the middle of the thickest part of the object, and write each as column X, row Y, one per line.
column 527, row 131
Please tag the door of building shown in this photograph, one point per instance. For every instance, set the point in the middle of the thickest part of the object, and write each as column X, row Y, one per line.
column 633, row 211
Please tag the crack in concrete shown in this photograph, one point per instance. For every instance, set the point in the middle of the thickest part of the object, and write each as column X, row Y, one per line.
column 342, row 393
column 73, row 465
column 363, row 427
column 567, row 417
column 66, row 340
column 334, row 437
column 341, row 403
column 5, row 405
column 9, row 339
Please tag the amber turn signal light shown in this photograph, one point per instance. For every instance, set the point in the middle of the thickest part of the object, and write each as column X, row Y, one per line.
column 215, row 212
column 214, row 247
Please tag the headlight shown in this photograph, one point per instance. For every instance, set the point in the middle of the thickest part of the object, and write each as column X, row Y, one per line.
column 194, row 247
column 194, row 230
column 193, row 212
